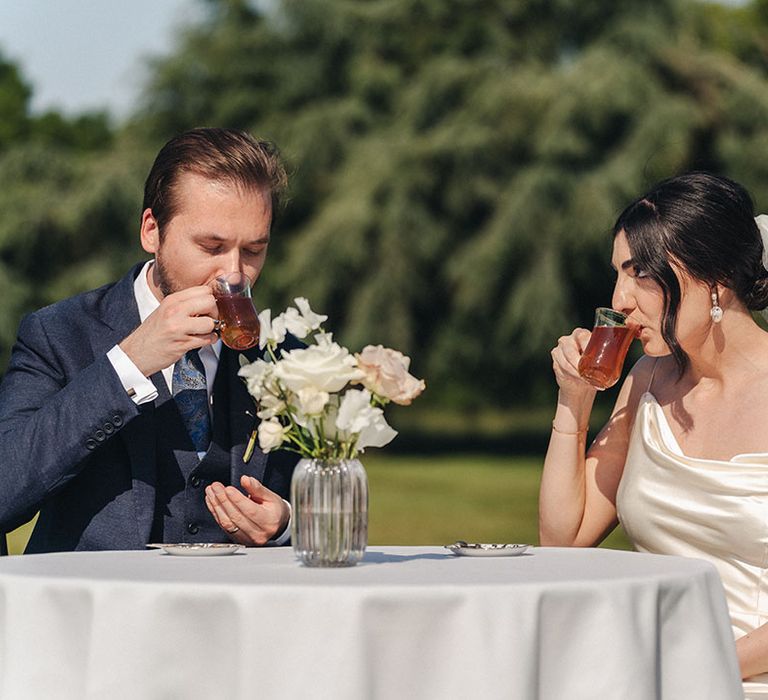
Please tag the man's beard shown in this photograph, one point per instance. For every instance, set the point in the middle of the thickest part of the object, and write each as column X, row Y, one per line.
column 165, row 282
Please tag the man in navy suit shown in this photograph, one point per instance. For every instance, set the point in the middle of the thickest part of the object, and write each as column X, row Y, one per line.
column 90, row 433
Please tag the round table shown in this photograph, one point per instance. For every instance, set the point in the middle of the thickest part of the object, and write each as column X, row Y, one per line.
column 407, row 622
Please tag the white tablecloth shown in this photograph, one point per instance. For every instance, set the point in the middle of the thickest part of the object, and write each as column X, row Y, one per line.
column 406, row 623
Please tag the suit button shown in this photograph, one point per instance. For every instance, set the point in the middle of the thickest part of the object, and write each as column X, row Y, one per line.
column 108, row 428
column 192, row 529
column 99, row 435
column 117, row 421
column 91, row 444
column 195, row 481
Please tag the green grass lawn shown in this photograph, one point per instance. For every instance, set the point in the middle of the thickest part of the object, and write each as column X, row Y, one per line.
column 437, row 500
column 441, row 499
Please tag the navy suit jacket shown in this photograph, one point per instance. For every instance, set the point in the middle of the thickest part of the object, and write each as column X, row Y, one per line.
column 73, row 444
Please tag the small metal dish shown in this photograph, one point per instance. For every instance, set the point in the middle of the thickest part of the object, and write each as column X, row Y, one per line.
column 480, row 549
column 197, row 549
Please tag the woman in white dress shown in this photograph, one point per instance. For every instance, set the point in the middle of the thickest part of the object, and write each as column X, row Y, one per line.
column 682, row 462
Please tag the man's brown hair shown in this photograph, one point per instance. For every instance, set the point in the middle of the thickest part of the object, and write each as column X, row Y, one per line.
column 217, row 154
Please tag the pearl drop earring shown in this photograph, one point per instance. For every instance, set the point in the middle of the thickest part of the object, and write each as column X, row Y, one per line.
column 716, row 312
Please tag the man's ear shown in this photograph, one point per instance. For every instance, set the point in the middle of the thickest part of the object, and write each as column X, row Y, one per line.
column 150, row 232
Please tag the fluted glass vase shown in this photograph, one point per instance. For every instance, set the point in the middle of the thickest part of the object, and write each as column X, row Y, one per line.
column 330, row 512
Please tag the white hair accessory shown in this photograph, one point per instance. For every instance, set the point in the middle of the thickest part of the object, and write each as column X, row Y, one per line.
column 762, row 225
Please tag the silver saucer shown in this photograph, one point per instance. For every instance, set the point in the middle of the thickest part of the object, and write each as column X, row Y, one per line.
column 197, row 549
column 479, row 549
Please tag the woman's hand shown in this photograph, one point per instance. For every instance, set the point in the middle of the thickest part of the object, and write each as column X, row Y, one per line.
column 565, row 363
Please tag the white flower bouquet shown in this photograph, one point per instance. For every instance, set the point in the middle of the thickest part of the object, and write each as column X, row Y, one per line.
column 308, row 398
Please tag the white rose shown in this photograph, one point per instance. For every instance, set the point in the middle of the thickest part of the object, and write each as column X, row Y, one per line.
column 321, row 426
column 357, row 417
column 257, row 377
column 386, row 374
column 311, row 401
column 271, row 435
column 271, row 332
column 270, row 406
column 326, row 367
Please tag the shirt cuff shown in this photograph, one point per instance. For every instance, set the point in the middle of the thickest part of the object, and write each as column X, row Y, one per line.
column 138, row 387
column 286, row 534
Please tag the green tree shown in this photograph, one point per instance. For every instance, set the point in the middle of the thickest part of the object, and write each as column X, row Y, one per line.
column 67, row 209
column 14, row 97
column 457, row 164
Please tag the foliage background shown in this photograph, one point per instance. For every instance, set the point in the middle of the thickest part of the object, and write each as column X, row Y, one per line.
column 455, row 166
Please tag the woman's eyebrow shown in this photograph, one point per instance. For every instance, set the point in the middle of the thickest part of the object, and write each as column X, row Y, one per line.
column 625, row 265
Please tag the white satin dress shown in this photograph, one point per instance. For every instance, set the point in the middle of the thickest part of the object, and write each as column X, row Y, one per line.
column 709, row 509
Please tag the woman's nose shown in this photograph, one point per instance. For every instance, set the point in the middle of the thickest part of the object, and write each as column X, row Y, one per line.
column 621, row 299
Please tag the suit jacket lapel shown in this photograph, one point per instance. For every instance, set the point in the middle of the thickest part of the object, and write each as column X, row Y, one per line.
column 118, row 313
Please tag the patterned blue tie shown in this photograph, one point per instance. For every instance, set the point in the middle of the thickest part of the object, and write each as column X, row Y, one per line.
column 189, row 390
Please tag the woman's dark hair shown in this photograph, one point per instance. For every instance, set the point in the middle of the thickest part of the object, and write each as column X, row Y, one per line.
column 217, row 154
column 705, row 224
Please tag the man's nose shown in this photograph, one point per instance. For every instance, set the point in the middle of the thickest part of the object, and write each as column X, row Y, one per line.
column 232, row 263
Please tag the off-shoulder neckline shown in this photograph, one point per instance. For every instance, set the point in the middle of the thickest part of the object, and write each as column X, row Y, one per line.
column 671, row 443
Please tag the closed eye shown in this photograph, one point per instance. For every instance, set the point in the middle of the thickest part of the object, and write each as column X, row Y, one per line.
column 635, row 270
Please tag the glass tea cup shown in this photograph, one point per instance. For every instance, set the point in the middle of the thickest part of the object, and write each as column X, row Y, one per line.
column 239, row 328
column 607, row 348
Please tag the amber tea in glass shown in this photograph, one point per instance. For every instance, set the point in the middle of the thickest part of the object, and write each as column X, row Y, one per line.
column 239, row 323
column 606, row 350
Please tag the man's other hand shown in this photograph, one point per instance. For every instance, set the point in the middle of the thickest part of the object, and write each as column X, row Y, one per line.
column 251, row 519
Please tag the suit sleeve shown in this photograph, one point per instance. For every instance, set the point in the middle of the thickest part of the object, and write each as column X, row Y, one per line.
column 54, row 415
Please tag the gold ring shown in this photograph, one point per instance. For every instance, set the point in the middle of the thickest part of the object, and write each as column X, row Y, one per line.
column 232, row 532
